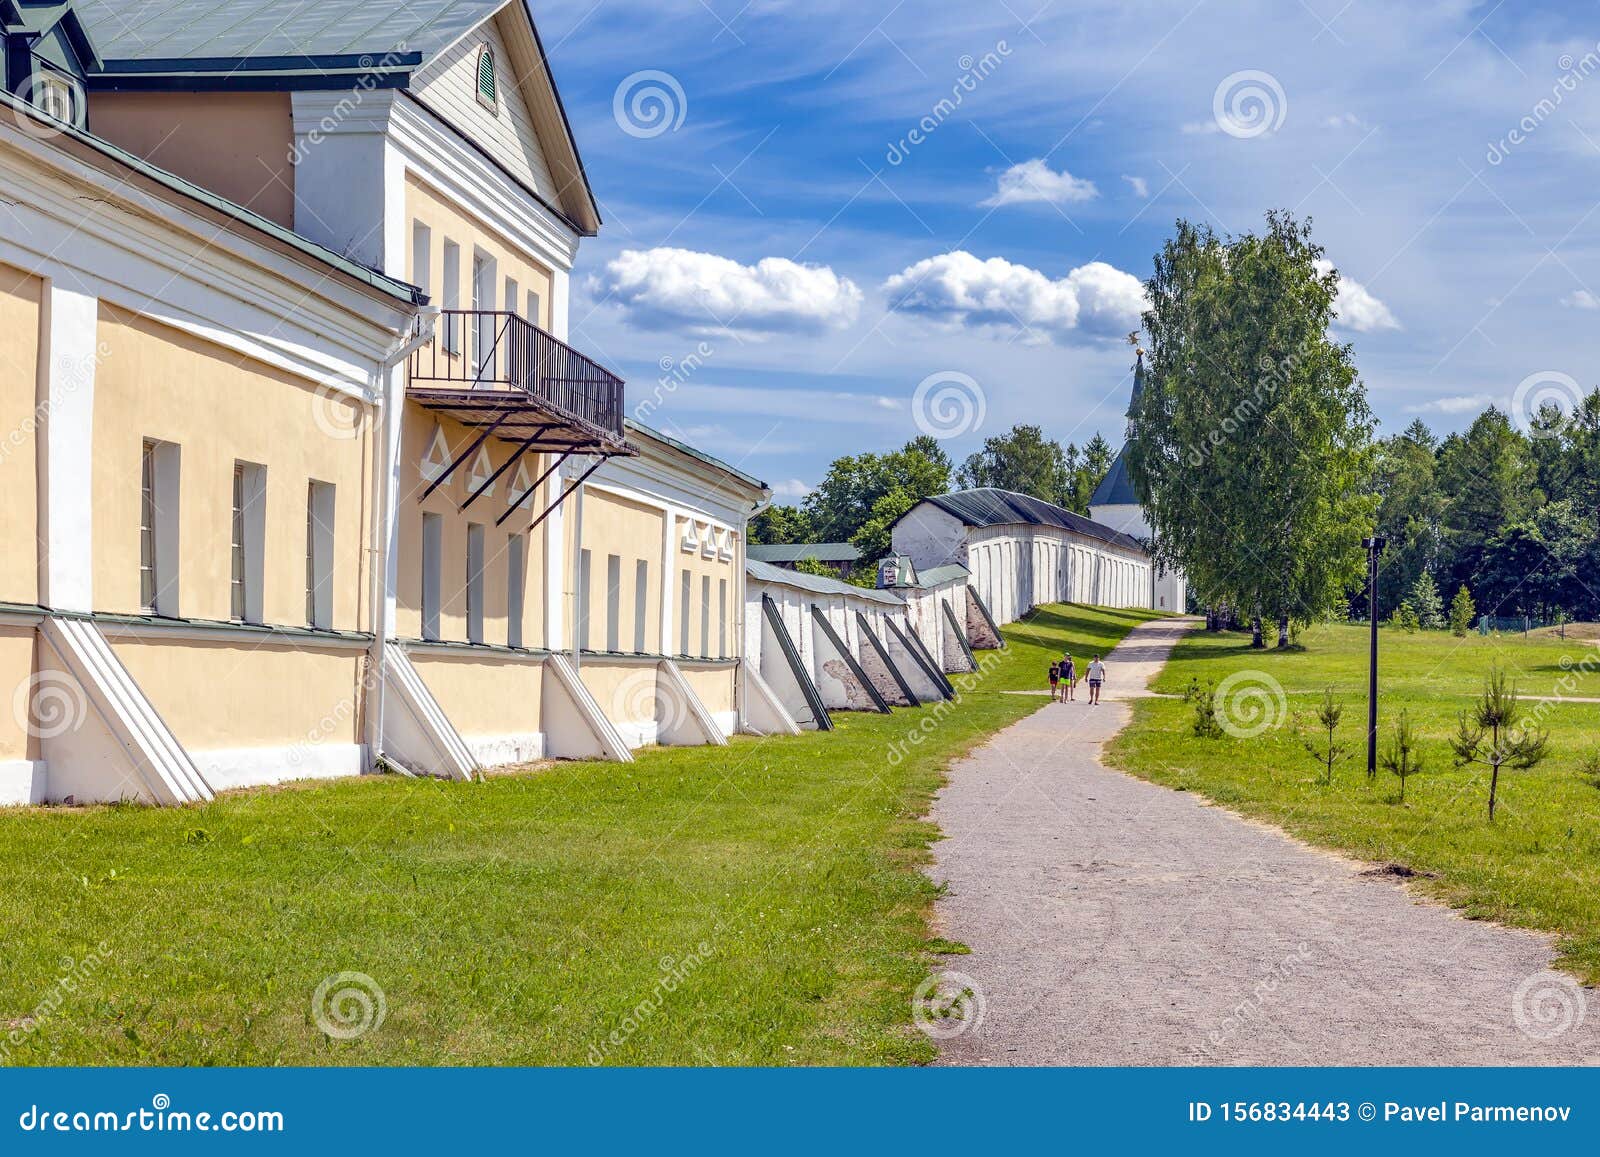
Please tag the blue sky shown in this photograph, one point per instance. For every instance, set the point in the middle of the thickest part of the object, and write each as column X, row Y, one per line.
column 782, row 250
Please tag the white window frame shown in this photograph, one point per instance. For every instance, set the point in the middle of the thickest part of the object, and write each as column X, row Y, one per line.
column 490, row 102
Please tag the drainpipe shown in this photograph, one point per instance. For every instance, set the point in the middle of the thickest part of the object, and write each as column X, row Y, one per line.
column 387, row 411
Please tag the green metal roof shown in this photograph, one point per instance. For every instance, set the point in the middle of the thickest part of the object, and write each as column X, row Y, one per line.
column 400, row 290
column 701, row 455
column 816, row 584
column 795, row 551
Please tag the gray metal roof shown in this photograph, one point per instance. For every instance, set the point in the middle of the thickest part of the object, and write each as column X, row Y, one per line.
column 222, row 29
column 795, row 551
column 989, row 506
column 701, row 455
column 939, row 575
column 1116, row 488
column 816, row 584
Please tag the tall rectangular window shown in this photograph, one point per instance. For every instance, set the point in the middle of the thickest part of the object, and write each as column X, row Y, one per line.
column 422, row 257
column 705, row 616
column 683, row 612
column 535, row 309
column 474, row 582
column 584, row 572
column 450, row 297
column 432, row 565
column 319, row 554
column 249, row 531
column 722, row 618
column 613, row 602
column 485, row 283
column 641, row 606
column 516, row 586
column 158, row 528
column 147, row 529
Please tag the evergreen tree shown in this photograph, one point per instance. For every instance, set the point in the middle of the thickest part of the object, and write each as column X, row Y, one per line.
column 1462, row 612
column 1427, row 603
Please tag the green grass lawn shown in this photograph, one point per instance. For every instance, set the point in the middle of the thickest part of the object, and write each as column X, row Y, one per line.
column 1537, row 866
column 760, row 904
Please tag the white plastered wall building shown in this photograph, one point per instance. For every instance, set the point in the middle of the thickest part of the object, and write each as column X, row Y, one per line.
column 1021, row 552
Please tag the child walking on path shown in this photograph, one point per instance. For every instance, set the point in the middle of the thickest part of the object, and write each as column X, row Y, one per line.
column 1055, row 679
column 1097, row 676
column 1069, row 678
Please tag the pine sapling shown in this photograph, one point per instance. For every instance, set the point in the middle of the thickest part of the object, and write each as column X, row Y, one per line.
column 1327, row 751
column 1492, row 733
column 1403, row 754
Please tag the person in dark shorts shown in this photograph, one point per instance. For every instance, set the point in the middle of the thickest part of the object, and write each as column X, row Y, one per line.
column 1069, row 677
column 1055, row 676
column 1097, row 676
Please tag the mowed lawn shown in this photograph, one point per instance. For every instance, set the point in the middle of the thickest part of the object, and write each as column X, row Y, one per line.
column 759, row 904
column 1537, row 865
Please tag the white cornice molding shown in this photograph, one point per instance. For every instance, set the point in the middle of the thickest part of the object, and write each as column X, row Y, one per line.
column 155, row 256
column 439, row 156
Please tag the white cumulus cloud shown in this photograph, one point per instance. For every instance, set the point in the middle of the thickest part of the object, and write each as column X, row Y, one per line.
column 1581, row 299
column 1140, row 187
column 1355, row 307
column 1033, row 181
column 706, row 293
column 1454, row 404
column 958, row 289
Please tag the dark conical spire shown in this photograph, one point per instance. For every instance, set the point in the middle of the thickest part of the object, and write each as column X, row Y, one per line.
column 1138, row 392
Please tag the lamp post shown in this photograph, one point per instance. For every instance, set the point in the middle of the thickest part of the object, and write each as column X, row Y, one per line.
column 1374, row 546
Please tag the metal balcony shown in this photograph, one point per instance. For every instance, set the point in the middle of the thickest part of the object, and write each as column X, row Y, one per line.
column 494, row 351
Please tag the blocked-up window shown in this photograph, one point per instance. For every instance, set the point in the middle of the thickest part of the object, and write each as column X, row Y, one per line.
column 432, row 568
column 684, row 589
column 475, row 584
column 705, row 616
column 158, row 528
column 641, row 606
column 516, row 587
column 613, row 602
column 319, row 554
column 248, row 546
column 584, row 572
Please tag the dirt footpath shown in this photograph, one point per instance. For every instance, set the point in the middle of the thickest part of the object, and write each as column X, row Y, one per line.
column 1113, row 921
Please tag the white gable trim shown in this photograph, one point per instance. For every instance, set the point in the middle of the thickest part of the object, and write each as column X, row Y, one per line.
column 481, row 471
column 436, row 457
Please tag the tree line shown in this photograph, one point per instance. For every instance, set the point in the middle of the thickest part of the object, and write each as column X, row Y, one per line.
column 862, row 496
column 1259, row 465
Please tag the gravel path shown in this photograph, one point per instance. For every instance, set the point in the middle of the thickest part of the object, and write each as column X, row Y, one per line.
column 1113, row 921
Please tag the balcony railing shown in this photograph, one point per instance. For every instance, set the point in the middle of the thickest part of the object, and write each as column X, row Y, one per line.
column 490, row 349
